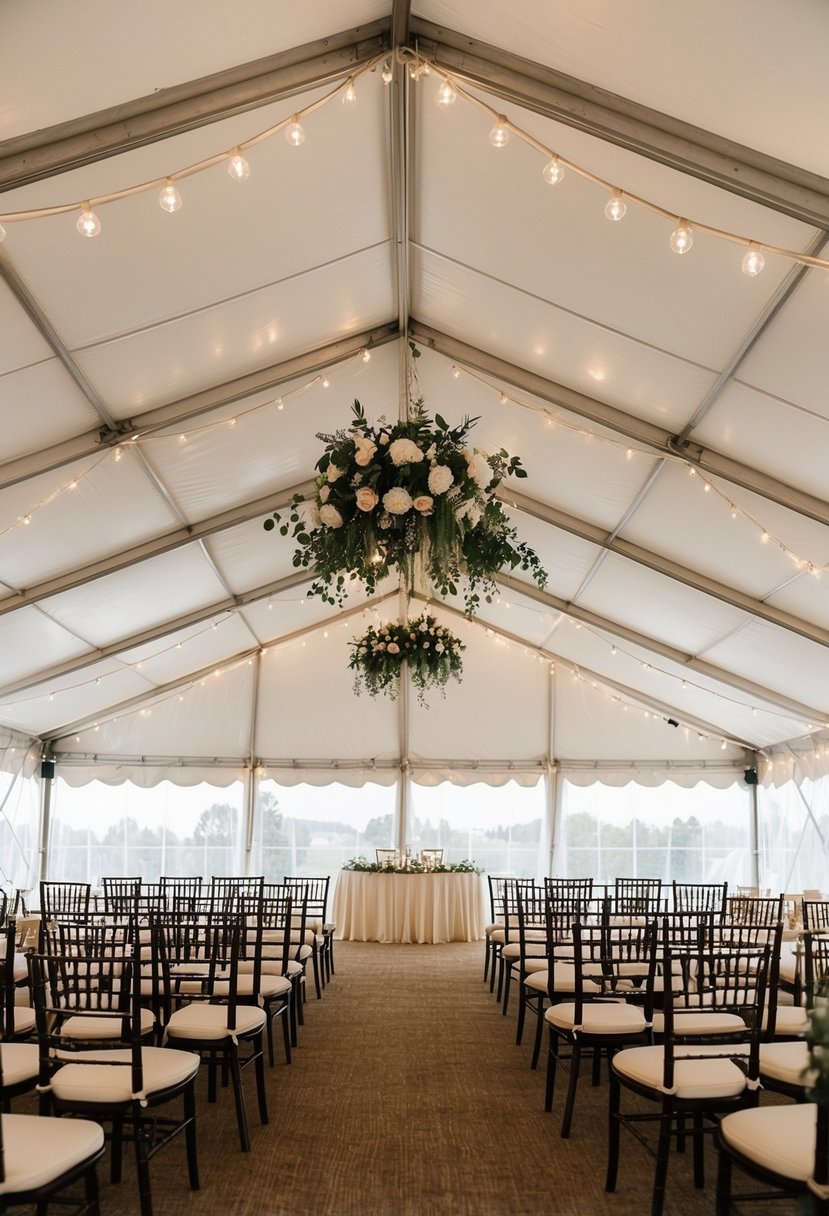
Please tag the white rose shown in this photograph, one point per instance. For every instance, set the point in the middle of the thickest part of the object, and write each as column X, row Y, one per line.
column 439, row 647
column 423, row 503
column 397, row 501
column 440, row 478
column 405, row 451
column 393, row 648
column 425, row 645
column 324, row 492
column 333, row 472
column 330, row 516
column 366, row 499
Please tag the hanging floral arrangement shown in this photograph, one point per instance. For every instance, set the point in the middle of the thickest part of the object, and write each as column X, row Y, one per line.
column 424, row 648
column 412, row 496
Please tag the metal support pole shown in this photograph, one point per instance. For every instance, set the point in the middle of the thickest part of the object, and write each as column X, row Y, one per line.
column 755, row 828
column 251, row 781
column 46, row 783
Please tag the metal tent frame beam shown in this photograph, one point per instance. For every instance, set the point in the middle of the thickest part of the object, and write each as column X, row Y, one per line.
column 660, row 441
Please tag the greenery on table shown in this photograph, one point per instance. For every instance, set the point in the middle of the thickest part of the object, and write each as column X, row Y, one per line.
column 430, row 653
column 411, row 865
column 408, row 495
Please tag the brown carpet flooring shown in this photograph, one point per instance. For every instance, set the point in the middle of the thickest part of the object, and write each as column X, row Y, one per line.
column 408, row 1097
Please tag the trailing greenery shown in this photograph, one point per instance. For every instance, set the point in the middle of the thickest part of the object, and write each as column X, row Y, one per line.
column 430, row 653
column 413, row 496
column 411, row 865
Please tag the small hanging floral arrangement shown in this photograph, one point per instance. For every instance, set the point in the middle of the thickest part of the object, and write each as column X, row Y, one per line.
column 414, row 496
column 424, row 648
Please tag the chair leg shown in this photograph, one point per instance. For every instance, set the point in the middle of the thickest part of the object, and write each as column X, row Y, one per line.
column 116, row 1146
column 699, row 1159
column 663, row 1149
column 596, row 1076
column 90, row 1187
column 285, row 1019
column 315, row 959
column 539, row 1029
column 259, row 1072
column 723, row 1199
column 239, row 1098
column 552, row 1062
column 487, row 949
column 567, row 1119
column 190, row 1135
column 522, row 1013
column 507, row 983
column 613, row 1133
column 270, row 1034
column 142, row 1165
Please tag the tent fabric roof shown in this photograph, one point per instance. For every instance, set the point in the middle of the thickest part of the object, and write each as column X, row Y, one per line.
column 162, row 385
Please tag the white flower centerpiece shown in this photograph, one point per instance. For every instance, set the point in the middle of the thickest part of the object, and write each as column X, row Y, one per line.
column 413, row 496
column 431, row 654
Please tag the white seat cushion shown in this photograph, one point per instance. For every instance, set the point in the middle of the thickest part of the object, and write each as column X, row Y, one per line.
column 565, row 981
column 20, row 968
column 103, row 1028
column 498, row 935
column 21, row 1062
column 534, row 949
column 494, row 927
column 694, row 1078
column 70, row 1141
column 786, row 1062
column 599, row 1017
column 779, row 1138
column 269, row 985
column 791, row 1019
column 701, row 1023
column 82, row 1080
column 24, row 1021
column 204, row 1022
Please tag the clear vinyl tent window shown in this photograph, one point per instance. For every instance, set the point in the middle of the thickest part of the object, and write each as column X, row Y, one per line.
column 497, row 827
column 19, row 821
column 668, row 831
column 312, row 830
column 794, row 835
column 99, row 830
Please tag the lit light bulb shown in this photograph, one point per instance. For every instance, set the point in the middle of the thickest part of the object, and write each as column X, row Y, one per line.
column 294, row 132
column 682, row 237
column 499, row 135
column 456, row 371
column 280, row 404
column 350, row 95
column 326, row 383
column 616, row 206
column 446, row 94
column 88, row 223
column 366, row 356
column 387, row 73
column 503, row 398
column 237, row 166
column 553, row 171
column 753, row 261
column 169, row 198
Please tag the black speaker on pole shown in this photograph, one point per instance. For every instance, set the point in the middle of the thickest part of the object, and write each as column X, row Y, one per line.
column 47, row 770
column 751, row 776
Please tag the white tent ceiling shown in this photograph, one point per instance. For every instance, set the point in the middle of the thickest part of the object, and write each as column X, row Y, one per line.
column 162, row 384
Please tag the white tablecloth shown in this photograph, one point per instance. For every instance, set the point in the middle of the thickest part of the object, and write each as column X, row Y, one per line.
column 371, row 907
